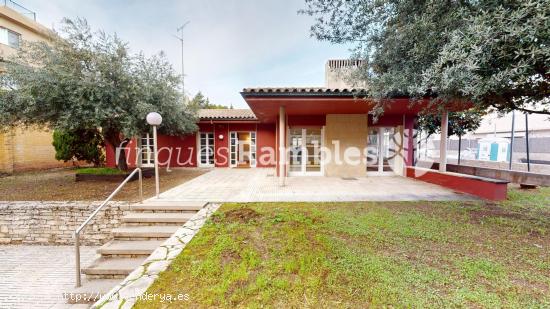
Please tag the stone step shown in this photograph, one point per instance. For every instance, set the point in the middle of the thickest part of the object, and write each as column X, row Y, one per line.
column 90, row 291
column 147, row 231
column 129, row 247
column 113, row 266
column 163, row 217
column 165, row 205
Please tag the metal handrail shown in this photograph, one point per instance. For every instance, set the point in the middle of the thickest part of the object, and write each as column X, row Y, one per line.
column 19, row 8
column 83, row 225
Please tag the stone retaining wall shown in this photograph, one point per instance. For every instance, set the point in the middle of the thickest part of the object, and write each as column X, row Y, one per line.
column 53, row 223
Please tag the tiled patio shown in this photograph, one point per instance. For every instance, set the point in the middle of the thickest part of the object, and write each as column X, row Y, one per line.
column 261, row 185
column 36, row 276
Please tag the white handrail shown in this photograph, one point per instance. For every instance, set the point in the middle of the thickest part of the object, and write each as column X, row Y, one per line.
column 107, row 200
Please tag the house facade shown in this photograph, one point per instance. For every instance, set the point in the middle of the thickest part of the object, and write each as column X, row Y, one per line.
column 322, row 131
column 22, row 149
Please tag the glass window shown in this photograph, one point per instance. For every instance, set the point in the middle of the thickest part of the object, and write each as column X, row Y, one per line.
column 3, row 36
column 206, row 149
column 10, row 38
column 14, row 39
column 147, row 151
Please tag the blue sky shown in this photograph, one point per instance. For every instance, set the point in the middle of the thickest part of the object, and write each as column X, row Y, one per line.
column 229, row 44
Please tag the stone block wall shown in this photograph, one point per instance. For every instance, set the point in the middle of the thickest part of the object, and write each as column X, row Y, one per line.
column 53, row 223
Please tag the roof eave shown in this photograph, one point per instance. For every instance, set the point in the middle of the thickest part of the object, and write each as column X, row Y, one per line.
column 302, row 94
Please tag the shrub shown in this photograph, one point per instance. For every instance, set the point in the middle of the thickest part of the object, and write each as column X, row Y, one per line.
column 81, row 144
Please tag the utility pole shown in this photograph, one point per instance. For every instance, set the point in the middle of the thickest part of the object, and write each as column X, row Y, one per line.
column 180, row 37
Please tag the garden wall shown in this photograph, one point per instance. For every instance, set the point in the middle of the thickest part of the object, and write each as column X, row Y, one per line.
column 53, row 223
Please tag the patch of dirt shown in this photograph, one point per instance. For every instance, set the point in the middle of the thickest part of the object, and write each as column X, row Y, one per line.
column 60, row 185
column 242, row 215
column 493, row 210
column 229, row 256
column 534, row 286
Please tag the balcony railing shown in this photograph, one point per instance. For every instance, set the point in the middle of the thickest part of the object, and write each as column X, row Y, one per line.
column 19, row 8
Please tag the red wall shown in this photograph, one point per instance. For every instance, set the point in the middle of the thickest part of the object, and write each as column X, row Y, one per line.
column 266, row 155
column 489, row 189
column 313, row 120
column 177, row 151
column 181, row 151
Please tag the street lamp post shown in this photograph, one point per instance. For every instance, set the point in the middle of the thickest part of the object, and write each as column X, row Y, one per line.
column 155, row 119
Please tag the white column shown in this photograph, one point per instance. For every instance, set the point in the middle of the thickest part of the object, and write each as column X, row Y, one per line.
column 282, row 145
column 443, row 142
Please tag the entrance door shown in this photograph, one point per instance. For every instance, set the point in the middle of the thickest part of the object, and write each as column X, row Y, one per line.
column 381, row 151
column 242, row 149
column 305, row 151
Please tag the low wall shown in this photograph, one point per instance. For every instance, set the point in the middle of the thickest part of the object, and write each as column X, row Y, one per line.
column 516, row 166
column 518, row 177
column 53, row 223
column 486, row 188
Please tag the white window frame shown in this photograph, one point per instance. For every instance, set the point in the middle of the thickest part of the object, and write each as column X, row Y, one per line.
column 147, row 155
column 209, row 138
column 303, row 171
column 381, row 148
column 234, row 143
column 5, row 37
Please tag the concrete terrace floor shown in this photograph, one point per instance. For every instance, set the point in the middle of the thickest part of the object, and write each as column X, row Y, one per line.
column 261, row 185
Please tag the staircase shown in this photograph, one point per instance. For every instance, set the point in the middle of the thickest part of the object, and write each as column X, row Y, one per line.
column 144, row 228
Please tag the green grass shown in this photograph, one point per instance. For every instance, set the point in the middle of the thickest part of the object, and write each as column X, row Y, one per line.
column 100, row 171
column 408, row 254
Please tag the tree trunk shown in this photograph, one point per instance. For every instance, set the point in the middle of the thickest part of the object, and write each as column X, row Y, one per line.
column 113, row 138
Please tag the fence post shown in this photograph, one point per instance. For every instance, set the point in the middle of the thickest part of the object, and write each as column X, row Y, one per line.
column 527, row 141
column 512, row 140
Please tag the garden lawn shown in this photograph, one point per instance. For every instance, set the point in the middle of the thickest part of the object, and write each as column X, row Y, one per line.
column 402, row 254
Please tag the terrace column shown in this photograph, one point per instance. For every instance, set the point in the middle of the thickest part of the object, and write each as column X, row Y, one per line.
column 282, row 145
column 443, row 142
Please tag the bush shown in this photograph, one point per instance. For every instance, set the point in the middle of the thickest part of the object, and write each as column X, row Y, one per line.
column 100, row 171
column 81, row 144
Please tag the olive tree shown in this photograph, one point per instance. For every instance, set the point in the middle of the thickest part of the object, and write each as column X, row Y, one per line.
column 86, row 80
column 494, row 54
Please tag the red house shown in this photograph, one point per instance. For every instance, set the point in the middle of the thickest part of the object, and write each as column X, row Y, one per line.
column 316, row 127
column 326, row 131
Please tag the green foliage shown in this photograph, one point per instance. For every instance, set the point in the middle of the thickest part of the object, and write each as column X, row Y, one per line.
column 89, row 80
column 100, row 171
column 199, row 101
column 460, row 123
column 82, row 145
column 495, row 54
column 365, row 254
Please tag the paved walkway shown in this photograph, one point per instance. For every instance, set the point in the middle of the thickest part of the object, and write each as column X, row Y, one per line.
column 261, row 185
column 36, row 276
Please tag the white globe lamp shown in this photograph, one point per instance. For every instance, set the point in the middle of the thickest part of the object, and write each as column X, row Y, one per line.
column 155, row 119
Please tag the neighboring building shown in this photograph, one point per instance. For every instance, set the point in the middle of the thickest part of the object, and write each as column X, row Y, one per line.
column 501, row 126
column 304, row 121
column 22, row 149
